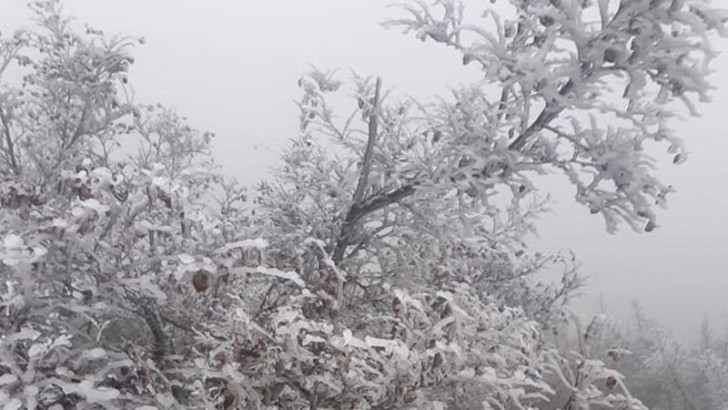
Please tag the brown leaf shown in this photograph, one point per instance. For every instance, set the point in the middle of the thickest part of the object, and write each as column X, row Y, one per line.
column 201, row 280
column 228, row 399
column 611, row 382
column 437, row 360
column 410, row 396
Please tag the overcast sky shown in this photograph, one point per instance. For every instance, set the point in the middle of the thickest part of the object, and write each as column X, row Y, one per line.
column 231, row 67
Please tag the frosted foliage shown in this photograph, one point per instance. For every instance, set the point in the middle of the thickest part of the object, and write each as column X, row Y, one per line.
column 578, row 86
column 663, row 372
column 384, row 265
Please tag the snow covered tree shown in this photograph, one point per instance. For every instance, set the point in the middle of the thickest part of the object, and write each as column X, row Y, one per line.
column 667, row 374
column 87, row 229
column 383, row 266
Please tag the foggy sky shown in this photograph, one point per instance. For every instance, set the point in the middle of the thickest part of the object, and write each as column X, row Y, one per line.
column 231, row 67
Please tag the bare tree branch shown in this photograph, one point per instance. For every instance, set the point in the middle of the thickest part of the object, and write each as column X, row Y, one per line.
column 353, row 216
column 359, row 211
column 548, row 114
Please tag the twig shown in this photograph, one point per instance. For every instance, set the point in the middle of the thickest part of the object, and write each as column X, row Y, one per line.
column 547, row 115
column 561, row 134
column 265, row 299
column 9, row 142
column 151, row 316
column 79, row 128
column 358, row 211
column 373, row 125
